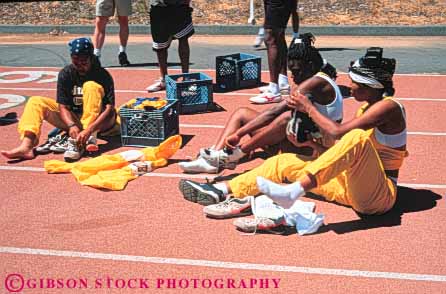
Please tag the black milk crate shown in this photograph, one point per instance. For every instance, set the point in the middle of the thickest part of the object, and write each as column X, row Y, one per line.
column 142, row 128
column 237, row 71
column 192, row 90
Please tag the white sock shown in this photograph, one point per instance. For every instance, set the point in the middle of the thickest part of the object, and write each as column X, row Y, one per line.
column 222, row 187
column 274, row 88
column 261, row 32
column 285, row 195
column 97, row 52
column 121, row 48
column 283, row 80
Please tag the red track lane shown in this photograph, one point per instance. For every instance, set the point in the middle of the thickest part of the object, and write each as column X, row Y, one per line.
column 150, row 218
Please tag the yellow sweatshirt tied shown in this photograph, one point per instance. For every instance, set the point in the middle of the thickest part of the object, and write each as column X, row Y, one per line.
column 114, row 171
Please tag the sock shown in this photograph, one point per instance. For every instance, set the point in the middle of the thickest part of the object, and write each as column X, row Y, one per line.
column 285, row 196
column 274, row 88
column 121, row 48
column 283, row 80
column 222, row 187
column 97, row 52
column 261, row 32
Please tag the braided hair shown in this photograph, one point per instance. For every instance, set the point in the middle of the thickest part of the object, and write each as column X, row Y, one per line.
column 302, row 49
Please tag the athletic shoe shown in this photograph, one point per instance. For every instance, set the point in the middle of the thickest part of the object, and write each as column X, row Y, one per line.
column 266, row 97
column 199, row 165
column 284, row 89
column 92, row 145
column 204, row 194
column 73, row 152
column 123, row 61
column 259, row 41
column 263, row 224
column 231, row 207
column 61, row 145
column 224, row 158
column 159, row 85
column 45, row 148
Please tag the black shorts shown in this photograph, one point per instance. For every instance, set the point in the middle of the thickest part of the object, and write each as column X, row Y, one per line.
column 277, row 13
column 168, row 23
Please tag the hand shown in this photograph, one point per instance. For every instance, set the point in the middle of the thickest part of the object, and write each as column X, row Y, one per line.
column 83, row 137
column 74, row 131
column 232, row 141
column 293, row 140
column 298, row 101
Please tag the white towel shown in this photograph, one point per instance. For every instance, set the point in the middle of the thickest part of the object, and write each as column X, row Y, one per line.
column 301, row 216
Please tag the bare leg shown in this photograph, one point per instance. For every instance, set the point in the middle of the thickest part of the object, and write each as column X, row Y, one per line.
column 123, row 30
column 272, row 134
column 238, row 119
column 99, row 31
column 24, row 150
column 274, row 40
column 162, row 60
column 184, row 53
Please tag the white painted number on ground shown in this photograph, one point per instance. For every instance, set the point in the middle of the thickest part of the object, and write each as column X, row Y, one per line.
column 30, row 76
column 12, row 100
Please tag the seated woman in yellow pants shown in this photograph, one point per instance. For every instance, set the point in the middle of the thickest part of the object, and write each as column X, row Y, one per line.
column 84, row 106
column 360, row 170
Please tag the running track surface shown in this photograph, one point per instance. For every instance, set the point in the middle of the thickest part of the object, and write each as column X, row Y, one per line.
column 51, row 227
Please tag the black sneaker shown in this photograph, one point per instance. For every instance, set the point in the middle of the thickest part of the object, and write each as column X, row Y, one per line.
column 123, row 61
column 204, row 194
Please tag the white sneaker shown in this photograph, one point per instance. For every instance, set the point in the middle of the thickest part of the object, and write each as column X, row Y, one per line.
column 266, row 97
column 284, row 89
column 225, row 158
column 199, row 165
column 73, row 152
column 258, row 41
column 159, row 85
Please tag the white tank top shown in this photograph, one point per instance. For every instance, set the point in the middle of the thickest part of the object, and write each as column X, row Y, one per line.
column 333, row 110
column 394, row 140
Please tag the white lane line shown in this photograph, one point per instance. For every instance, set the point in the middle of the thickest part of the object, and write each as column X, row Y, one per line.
column 221, row 127
column 226, row 265
column 201, row 176
column 223, row 94
column 208, row 70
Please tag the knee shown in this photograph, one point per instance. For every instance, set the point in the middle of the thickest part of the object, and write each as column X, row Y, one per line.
column 36, row 100
column 123, row 21
column 91, row 86
column 282, row 120
column 101, row 22
column 242, row 114
column 356, row 136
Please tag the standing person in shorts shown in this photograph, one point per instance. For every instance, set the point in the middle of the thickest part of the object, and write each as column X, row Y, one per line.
column 277, row 14
column 169, row 20
column 105, row 9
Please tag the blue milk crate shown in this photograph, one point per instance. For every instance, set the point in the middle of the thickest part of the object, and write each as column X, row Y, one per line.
column 142, row 128
column 192, row 90
column 237, row 71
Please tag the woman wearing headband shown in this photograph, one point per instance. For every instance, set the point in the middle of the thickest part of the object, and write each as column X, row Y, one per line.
column 360, row 170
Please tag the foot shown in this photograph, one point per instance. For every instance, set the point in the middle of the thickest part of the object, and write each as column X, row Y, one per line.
column 204, row 194
column 19, row 153
column 231, row 207
column 159, row 85
column 92, row 144
column 284, row 195
column 284, row 89
column 263, row 224
column 123, row 61
column 73, row 152
column 224, row 158
column 266, row 97
column 258, row 41
column 199, row 165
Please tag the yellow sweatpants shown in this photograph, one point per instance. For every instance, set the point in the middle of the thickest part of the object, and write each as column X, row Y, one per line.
column 39, row 108
column 350, row 173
